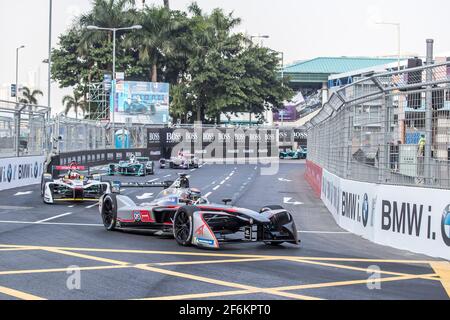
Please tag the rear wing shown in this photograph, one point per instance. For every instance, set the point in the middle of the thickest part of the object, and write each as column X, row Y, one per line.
column 81, row 169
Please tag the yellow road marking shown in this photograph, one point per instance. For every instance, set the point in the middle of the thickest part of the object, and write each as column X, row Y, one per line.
column 212, row 261
column 251, row 289
column 225, row 255
column 350, row 282
column 340, row 266
column 200, row 295
column 85, row 256
column 31, row 271
column 19, row 294
column 16, row 249
column 442, row 268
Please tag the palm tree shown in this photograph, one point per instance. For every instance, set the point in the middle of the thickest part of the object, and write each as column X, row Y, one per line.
column 105, row 14
column 30, row 97
column 155, row 40
column 75, row 102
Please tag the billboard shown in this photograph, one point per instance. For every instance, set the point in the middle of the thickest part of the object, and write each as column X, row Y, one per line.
column 140, row 102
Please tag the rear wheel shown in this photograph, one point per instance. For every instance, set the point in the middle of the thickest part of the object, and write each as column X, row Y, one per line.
column 183, row 226
column 109, row 212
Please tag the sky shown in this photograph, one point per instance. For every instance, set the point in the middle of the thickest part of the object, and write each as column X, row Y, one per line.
column 300, row 29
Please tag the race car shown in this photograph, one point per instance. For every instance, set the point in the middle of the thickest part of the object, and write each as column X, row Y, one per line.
column 136, row 166
column 300, row 153
column 193, row 220
column 72, row 185
column 182, row 161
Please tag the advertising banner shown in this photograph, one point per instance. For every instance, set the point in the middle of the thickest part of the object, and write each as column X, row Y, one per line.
column 140, row 102
column 19, row 172
column 408, row 218
column 416, row 219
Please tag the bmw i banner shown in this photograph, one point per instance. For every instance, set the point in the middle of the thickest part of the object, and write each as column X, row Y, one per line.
column 18, row 172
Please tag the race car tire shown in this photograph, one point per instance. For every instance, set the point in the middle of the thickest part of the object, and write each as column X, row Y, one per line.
column 271, row 207
column 183, row 229
column 109, row 212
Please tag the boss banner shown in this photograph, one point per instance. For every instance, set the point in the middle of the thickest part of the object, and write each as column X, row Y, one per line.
column 19, row 172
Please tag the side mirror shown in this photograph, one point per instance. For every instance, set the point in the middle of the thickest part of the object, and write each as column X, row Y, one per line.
column 115, row 186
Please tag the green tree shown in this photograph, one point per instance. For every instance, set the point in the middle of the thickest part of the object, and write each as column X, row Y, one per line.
column 30, row 96
column 74, row 102
column 157, row 40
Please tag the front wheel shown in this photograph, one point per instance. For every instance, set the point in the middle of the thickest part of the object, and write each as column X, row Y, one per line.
column 183, row 226
column 109, row 212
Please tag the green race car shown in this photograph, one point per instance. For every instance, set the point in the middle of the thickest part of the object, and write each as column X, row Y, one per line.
column 135, row 166
column 298, row 154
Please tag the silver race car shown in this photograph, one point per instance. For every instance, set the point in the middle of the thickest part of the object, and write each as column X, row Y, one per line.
column 182, row 161
column 193, row 220
column 75, row 184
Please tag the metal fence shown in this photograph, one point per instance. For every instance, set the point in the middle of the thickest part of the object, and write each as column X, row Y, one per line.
column 391, row 128
column 23, row 130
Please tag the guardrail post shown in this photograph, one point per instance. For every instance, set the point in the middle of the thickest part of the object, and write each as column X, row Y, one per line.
column 428, row 113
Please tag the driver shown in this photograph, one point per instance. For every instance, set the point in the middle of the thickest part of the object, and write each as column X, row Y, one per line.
column 194, row 195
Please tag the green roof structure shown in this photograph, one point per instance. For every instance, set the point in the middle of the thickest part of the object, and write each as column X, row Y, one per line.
column 319, row 69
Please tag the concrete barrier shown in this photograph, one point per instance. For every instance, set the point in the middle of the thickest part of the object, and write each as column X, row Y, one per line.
column 18, row 172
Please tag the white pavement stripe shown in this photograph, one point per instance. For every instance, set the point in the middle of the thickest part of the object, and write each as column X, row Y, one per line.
column 326, row 232
column 153, row 180
column 23, row 193
column 208, row 194
column 52, row 223
column 55, row 217
column 216, row 187
column 71, row 206
column 169, row 175
column 92, row 205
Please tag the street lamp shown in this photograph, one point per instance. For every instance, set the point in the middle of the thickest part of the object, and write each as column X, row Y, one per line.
column 114, row 31
column 17, row 71
column 264, row 36
column 396, row 24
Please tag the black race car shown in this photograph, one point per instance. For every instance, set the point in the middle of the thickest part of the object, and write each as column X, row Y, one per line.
column 193, row 220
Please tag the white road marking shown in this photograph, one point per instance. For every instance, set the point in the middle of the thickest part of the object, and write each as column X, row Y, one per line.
column 216, row 187
column 287, row 200
column 55, row 217
column 53, row 223
column 208, row 194
column 23, row 193
column 92, row 205
column 284, row 180
column 326, row 232
column 222, row 182
column 192, row 170
column 144, row 196
column 153, row 180
column 169, row 175
column 71, row 206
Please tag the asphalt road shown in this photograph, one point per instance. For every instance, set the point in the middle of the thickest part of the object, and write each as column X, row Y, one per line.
column 40, row 245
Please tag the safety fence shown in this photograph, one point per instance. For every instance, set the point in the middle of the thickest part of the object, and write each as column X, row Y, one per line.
column 391, row 128
column 23, row 129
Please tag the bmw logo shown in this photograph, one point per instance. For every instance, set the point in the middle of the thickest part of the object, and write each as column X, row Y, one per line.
column 365, row 210
column 446, row 225
column 137, row 216
column 36, row 170
column 9, row 173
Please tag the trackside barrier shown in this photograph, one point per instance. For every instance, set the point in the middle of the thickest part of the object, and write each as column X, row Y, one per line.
column 313, row 174
column 101, row 157
column 408, row 218
column 20, row 171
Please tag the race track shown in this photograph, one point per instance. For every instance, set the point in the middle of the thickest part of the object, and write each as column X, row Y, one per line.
column 38, row 243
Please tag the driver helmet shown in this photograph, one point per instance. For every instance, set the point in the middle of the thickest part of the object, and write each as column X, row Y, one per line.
column 194, row 194
column 132, row 158
column 73, row 175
